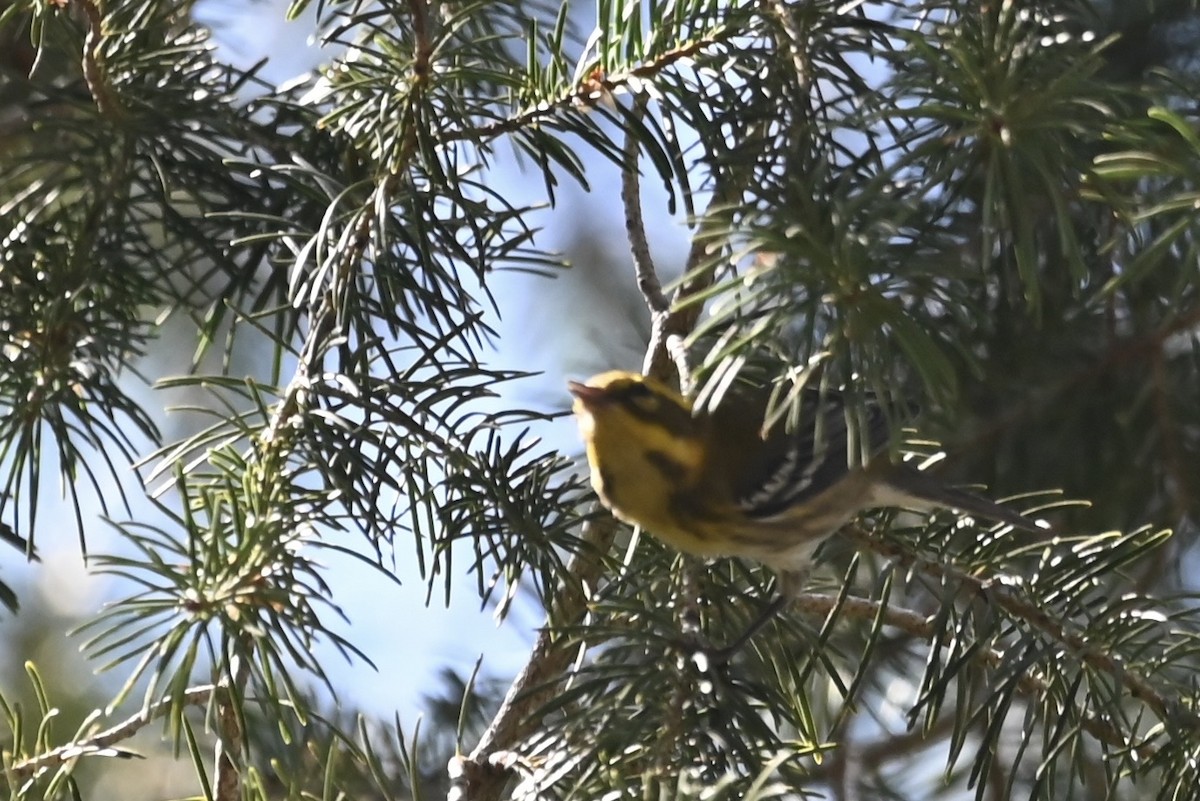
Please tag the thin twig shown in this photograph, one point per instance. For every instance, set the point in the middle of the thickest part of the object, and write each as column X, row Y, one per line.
column 271, row 450
column 482, row 775
column 584, row 94
column 29, row 768
column 795, row 44
column 419, row 9
column 631, row 197
column 667, row 343
column 700, row 270
column 228, row 753
column 1165, row 709
column 93, row 68
column 919, row 626
column 663, row 340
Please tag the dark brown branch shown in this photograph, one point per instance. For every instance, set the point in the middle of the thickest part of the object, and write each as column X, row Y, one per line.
column 1137, row 352
column 419, row 9
column 482, row 775
column 93, row 68
column 1179, row 484
column 1171, row 437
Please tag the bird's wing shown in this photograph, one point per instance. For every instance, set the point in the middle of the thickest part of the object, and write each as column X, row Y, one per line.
column 802, row 457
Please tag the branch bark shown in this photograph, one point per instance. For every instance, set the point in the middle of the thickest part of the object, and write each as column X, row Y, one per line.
column 919, row 626
column 483, row 774
column 104, row 740
column 1165, row 709
column 228, row 751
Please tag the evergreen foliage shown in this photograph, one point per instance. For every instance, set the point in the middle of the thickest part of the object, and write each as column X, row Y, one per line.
column 987, row 208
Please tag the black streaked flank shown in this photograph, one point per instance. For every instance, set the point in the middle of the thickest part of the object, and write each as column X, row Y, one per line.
column 609, row 486
column 674, row 470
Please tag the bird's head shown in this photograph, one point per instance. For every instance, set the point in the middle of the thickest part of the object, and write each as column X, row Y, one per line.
column 630, row 401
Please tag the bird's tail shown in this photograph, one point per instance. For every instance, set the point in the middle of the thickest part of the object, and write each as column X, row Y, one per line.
column 908, row 488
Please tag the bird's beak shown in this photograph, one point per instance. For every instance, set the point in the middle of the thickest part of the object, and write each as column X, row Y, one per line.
column 588, row 396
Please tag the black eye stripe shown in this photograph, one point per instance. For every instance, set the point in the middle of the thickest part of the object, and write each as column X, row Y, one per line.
column 638, row 407
column 633, row 392
column 676, row 420
column 648, row 407
column 638, row 400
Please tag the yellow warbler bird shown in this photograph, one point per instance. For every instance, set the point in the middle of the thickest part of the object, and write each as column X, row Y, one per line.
column 715, row 485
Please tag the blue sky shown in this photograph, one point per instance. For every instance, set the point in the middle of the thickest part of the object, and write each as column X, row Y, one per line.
column 409, row 642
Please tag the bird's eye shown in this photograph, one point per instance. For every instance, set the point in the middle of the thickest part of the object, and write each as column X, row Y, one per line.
column 642, row 397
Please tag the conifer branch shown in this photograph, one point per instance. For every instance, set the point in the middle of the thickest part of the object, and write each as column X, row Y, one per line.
column 819, row 605
column 481, row 776
column 1167, row 710
column 103, row 741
